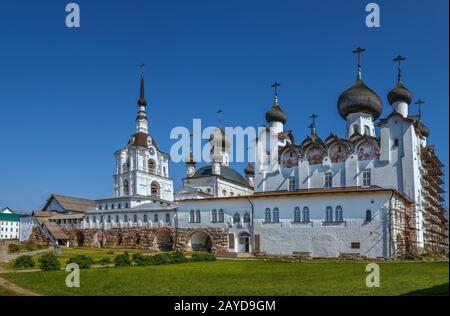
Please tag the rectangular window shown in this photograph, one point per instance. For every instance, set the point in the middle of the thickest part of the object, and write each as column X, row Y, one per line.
column 356, row 245
column 396, row 141
column 291, row 184
column 366, row 178
column 230, row 241
column 328, row 180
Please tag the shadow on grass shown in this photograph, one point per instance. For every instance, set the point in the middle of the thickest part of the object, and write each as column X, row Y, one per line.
column 441, row 289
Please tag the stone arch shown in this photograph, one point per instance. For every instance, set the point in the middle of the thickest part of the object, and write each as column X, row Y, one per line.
column 164, row 240
column 99, row 240
column 200, row 241
column 325, row 245
column 80, row 238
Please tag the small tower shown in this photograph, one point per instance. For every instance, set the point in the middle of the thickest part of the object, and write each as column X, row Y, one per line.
column 141, row 119
column 250, row 174
column 400, row 97
column 220, row 149
column 275, row 116
column 359, row 105
column 190, row 162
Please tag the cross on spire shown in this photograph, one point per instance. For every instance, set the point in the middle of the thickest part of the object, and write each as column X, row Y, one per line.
column 142, row 70
column 359, row 51
column 219, row 117
column 399, row 60
column 419, row 104
column 313, row 124
column 275, row 86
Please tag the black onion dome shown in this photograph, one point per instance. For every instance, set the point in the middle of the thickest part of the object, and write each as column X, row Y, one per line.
column 249, row 170
column 400, row 93
column 424, row 130
column 360, row 98
column 275, row 114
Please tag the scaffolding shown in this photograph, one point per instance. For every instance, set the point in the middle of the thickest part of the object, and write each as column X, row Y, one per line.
column 403, row 227
column 434, row 213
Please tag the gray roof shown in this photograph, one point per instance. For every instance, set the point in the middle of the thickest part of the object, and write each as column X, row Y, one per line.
column 225, row 172
column 69, row 203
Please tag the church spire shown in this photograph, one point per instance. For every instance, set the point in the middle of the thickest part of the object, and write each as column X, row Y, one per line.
column 142, row 101
column 142, row 120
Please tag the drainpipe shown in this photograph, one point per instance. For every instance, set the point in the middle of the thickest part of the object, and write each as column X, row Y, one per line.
column 252, row 229
column 176, row 229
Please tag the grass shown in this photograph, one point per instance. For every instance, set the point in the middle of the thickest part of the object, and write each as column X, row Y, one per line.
column 257, row 277
column 5, row 292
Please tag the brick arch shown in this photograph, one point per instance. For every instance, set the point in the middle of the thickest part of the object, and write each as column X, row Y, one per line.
column 164, row 239
column 99, row 239
column 201, row 243
column 80, row 238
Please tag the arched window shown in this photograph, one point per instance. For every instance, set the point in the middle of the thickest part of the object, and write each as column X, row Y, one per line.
column 155, row 218
column 154, row 189
column 198, row 216
column 117, row 219
column 368, row 215
column 126, row 187
column 247, row 218
column 329, row 214
column 276, row 215
column 167, row 218
column 267, row 217
column 125, row 218
column 135, row 218
column 305, row 215
column 339, row 214
column 297, row 215
column 355, row 128
column 221, row 216
column 366, row 130
column 236, row 218
column 192, row 217
column 151, row 165
column 214, row 216
column 145, row 218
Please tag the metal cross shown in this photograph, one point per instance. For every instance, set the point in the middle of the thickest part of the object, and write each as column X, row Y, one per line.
column 142, row 69
column 419, row 103
column 358, row 51
column 313, row 124
column 219, row 119
column 398, row 60
column 275, row 85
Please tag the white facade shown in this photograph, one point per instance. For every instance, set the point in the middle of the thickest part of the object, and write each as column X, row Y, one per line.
column 9, row 224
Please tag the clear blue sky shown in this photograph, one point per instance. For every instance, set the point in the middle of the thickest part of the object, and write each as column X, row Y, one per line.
column 68, row 96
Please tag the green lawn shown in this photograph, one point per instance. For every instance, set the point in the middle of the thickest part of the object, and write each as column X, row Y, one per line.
column 5, row 292
column 257, row 277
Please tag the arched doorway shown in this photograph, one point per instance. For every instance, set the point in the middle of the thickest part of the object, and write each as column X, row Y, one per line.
column 164, row 241
column 244, row 242
column 99, row 240
column 80, row 238
column 201, row 241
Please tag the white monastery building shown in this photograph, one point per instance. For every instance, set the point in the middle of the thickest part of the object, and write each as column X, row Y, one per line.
column 9, row 224
column 377, row 192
